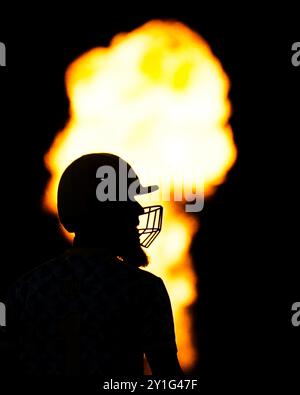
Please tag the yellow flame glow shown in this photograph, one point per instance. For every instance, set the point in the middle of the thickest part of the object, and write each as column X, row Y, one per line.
column 158, row 98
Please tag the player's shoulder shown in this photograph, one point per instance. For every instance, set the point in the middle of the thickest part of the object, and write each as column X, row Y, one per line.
column 39, row 274
column 147, row 280
column 148, row 276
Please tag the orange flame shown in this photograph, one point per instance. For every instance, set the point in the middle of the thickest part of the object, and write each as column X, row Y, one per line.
column 157, row 97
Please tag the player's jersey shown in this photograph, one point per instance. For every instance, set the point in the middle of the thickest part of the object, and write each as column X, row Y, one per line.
column 88, row 313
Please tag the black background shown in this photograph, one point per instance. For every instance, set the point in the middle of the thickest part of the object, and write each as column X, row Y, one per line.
column 246, row 252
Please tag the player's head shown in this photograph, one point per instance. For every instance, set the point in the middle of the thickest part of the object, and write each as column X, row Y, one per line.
column 96, row 201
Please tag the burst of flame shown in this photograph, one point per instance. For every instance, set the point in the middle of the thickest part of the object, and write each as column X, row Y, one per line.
column 157, row 97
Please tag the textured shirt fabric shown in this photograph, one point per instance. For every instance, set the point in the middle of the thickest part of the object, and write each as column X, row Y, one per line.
column 88, row 313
